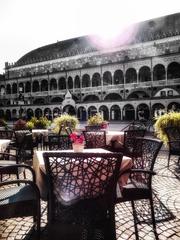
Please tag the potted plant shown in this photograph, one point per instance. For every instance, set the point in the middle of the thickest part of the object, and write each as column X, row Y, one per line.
column 65, row 121
column 3, row 123
column 41, row 123
column 97, row 120
column 166, row 120
column 77, row 141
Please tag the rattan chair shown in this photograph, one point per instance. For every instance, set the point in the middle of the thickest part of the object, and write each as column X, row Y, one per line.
column 139, row 185
column 6, row 134
column 81, row 194
column 130, row 139
column 173, row 134
column 7, row 159
column 95, row 139
column 93, row 128
column 20, row 198
column 59, row 142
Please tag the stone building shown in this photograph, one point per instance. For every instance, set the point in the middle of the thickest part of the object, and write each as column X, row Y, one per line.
column 78, row 76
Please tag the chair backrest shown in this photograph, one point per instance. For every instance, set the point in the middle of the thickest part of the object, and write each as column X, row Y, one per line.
column 59, row 142
column 78, row 176
column 130, row 139
column 25, row 150
column 92, row 128
column 6, row 134
column 173, row 133
column 95, row 139
column 145, row 152
column 19, row 136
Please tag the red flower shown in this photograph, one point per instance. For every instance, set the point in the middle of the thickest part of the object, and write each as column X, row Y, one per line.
column 75, row 138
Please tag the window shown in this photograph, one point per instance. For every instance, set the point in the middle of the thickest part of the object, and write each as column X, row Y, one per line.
column 163, row 93
column 170, row 93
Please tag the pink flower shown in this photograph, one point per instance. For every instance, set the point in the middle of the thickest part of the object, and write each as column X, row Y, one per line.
column 75, row 138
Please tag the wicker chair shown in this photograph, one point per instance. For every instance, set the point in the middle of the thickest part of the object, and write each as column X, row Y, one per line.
column 81, row 194
column 95, row 139
column 7, row 159
column 92, row 128
column 20, row 198
column 59, row 142
column 139, row 185
column 6, row 134
column 130, row 139
column 173, row 134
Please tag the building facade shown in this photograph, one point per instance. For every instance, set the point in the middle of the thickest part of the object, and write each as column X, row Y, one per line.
column 78, row 77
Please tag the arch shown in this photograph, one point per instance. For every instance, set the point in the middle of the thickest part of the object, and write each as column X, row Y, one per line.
column 38, row 113
column 8, row 89
column 159, row 72
column 56, row 112
column 143, row 109
column 77, row 82
column 70, row 83
column 81, row 114
column 8, row 115
column 21, row 86
column 44, row 85
column 131, row 75
column 56, row 100
column 158, row 109
column 144, row 74
column 96, row 80
column 1, row 113
column 138, row 95
column 28, row 87
column 173, row 70
column 113, row 96
column 118, row 77
column 14, row 114
column 115, row 113
column 53, row 84
column 29, row 113
column 35, row 87
column 39, row 101
column 48, row 113
column 91, row 111
column 105, row 112
column 128, row 112
column 62, row 83
column 174, row 106
column 107, row 78
column 69, row 109
column 91, row 98
column 2, row 90
column 85, row 81
column 14, row 88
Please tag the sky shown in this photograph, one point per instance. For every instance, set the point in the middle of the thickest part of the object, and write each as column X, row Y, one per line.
column 29, row 24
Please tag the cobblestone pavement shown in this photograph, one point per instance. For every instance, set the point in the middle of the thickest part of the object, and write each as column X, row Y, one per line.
column 166, row 185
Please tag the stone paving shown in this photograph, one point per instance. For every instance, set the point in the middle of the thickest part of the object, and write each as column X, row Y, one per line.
column 166, row 185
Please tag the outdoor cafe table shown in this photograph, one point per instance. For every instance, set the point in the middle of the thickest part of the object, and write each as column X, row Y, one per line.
column 39, row 167
column 3, row 144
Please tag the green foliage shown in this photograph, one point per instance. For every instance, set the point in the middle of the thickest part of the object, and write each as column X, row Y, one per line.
column 96, row 119
column 41, row 123
column 3, row 123
column 166, row 120
column 20, row 125
column 64, row 121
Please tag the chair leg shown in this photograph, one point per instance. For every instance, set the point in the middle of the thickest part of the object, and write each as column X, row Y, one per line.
column 135, row 220
column 153, row 217
column 168, row 160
